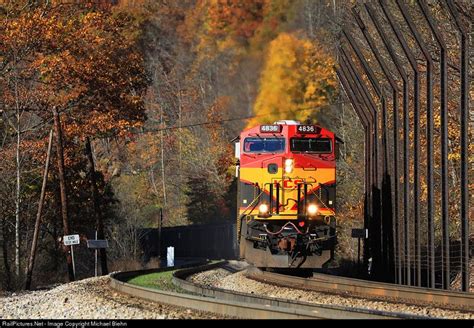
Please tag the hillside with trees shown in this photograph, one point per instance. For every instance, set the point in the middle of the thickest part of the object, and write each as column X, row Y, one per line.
column 150, row 94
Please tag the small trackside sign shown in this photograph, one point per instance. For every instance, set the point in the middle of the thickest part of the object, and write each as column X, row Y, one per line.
column 360, row 233
column 97, row 243
column 71, row 240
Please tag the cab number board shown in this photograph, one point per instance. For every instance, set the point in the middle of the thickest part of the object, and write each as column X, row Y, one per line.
column 270, row 128
column 308, row 129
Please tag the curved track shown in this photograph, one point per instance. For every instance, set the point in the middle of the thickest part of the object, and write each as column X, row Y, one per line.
column 235, row 304
column 369, row 289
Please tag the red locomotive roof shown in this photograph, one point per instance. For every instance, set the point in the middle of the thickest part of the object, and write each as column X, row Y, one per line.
column 287, row 130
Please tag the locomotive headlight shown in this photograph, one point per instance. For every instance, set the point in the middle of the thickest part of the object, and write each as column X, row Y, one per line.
column 289, row 165
column 312, row 209
column 263, row 209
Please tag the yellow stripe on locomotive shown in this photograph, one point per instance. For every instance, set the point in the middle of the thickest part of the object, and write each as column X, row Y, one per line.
column 257, row 180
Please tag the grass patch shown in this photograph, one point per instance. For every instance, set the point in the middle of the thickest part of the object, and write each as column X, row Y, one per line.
column 157, row 280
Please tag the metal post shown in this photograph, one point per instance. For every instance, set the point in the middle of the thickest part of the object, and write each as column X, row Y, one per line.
column 356, row 92
column 416, row 146
column 445, row 259
column 96, row 262
column 371, row 110
column 463, row 29
column 73, row 263
column 341, row 73
column 353, row 81
column 385, row 203
column 358, row 251
column 429, row 140
column 355, row 103
column 372, row 79
column 406, row 131
column 374, row 225
column 395, row 93
column 360, row 95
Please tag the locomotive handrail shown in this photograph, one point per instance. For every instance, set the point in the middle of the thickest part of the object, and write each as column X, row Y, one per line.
column 244, row 214
column 326, row 206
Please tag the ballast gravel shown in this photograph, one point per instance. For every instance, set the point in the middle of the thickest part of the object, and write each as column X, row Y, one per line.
column 91, row 298
column 221, row 278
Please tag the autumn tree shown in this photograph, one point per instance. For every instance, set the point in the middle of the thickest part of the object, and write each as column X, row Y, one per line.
column 18, row 42
column 82, row 60
column 297, row 79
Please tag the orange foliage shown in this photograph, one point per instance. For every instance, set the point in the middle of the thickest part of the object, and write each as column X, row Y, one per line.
column 82, row 61
column 235, row 17
column 221, row 150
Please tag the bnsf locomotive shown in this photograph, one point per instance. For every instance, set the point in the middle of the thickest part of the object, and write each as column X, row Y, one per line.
column 286, row 196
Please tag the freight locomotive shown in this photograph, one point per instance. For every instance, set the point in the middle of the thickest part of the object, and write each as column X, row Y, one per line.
column 286, row 195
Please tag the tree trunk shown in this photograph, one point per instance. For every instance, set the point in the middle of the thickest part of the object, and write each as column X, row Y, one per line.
column 18, row 178
column 180, row 110
column 62, row 187
column 162, row 157
column 18, row 195
column 97, row 208
column 31, row 260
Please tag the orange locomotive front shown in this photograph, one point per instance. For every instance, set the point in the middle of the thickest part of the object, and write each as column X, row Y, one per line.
column 286, row 197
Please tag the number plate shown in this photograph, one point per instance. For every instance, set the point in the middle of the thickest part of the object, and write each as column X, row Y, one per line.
column 270, row 128
column 308, row 129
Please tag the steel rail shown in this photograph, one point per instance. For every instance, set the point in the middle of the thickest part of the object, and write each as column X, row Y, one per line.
column 206, row 304
column 227, row 307
column 321, row 311
column 363, row 288
column 235, row 304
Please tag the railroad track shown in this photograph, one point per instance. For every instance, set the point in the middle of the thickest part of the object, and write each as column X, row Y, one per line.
column 451, row 300
column 240, row 305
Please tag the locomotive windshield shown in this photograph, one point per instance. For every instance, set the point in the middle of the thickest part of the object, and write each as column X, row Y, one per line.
column 264, row 145
column 311, row 145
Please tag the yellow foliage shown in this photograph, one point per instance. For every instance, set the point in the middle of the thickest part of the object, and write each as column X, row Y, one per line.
column 235, row 27
column 297, row 79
